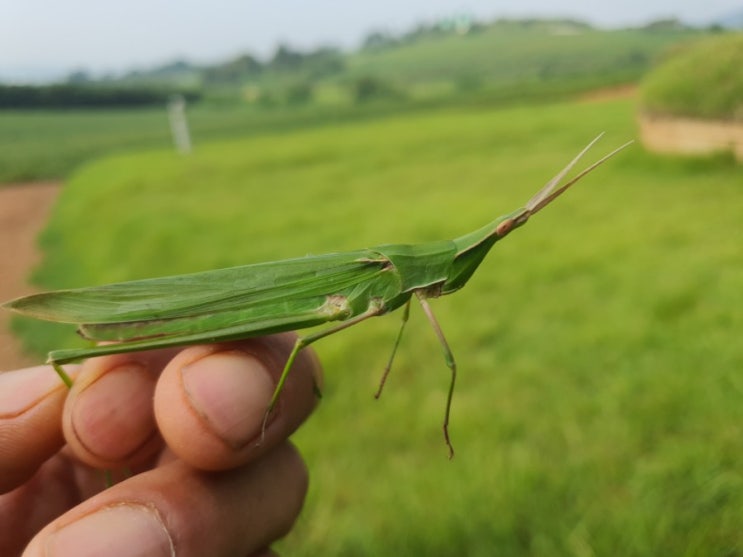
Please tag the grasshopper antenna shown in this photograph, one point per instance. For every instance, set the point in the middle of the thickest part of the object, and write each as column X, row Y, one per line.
column 546, row 195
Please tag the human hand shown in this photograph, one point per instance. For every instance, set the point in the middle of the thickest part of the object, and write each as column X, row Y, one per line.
column 187, row 424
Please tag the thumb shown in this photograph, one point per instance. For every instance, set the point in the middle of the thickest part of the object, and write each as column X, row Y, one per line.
column 210, row 400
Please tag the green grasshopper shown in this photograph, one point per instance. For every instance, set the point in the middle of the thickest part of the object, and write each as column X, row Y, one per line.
column 253, row 300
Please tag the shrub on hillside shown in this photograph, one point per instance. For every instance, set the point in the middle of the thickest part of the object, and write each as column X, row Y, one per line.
column 368, row 88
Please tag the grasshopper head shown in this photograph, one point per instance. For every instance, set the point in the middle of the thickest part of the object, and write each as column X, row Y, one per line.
column 512, row 222
column 472, row 247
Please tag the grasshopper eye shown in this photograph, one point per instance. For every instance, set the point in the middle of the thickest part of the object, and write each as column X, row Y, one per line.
column 504, row 227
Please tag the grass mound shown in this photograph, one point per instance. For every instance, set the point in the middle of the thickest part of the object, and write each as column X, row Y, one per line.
column 703, row 80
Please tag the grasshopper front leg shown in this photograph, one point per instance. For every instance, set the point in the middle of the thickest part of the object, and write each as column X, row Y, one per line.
column 376, row 307
column 388, row 367
column 66, row 379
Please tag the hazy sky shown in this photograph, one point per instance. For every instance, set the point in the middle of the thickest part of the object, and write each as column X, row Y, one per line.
column 39, row 37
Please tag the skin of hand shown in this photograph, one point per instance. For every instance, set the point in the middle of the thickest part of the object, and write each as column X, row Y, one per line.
column 181, row 432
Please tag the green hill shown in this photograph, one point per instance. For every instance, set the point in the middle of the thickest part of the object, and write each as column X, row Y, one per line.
column 500, row 60
column 503, row 61
column 510, row 53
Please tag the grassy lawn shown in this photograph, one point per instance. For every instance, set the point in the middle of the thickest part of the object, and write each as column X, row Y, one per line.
column 599, row 406
column 38, row 144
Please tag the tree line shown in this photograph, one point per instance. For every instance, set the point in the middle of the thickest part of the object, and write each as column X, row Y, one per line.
column 82, row 96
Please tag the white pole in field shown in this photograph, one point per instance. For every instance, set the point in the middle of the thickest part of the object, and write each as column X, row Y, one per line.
column 179, row 124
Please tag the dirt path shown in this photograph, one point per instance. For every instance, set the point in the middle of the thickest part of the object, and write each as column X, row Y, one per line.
column 24, row 209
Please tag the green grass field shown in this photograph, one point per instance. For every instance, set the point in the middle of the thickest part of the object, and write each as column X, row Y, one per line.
column 38, row 144
column 599, row 406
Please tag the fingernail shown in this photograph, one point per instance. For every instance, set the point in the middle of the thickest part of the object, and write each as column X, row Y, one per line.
column 21, row 390
column 130, row 530
column 115, row 402
column 230, row 391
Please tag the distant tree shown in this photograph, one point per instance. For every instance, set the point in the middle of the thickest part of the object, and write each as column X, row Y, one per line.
column 478, row 27
column 82, row 96
column 323, row 62
column 299, row 93
column 235, row 71
column 377, row 40
column 286, row 59
column 174, row 67
column 669, row 24
column 248, row 64
column 369, row 88
column 79, row 77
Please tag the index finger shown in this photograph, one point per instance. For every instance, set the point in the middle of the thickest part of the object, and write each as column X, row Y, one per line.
column 211, row 400
column 206, row 401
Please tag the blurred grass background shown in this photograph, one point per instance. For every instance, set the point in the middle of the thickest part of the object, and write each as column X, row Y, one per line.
column 598, row 410
column 504, row 62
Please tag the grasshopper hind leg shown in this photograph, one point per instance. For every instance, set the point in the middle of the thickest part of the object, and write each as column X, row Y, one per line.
column 450, row 363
